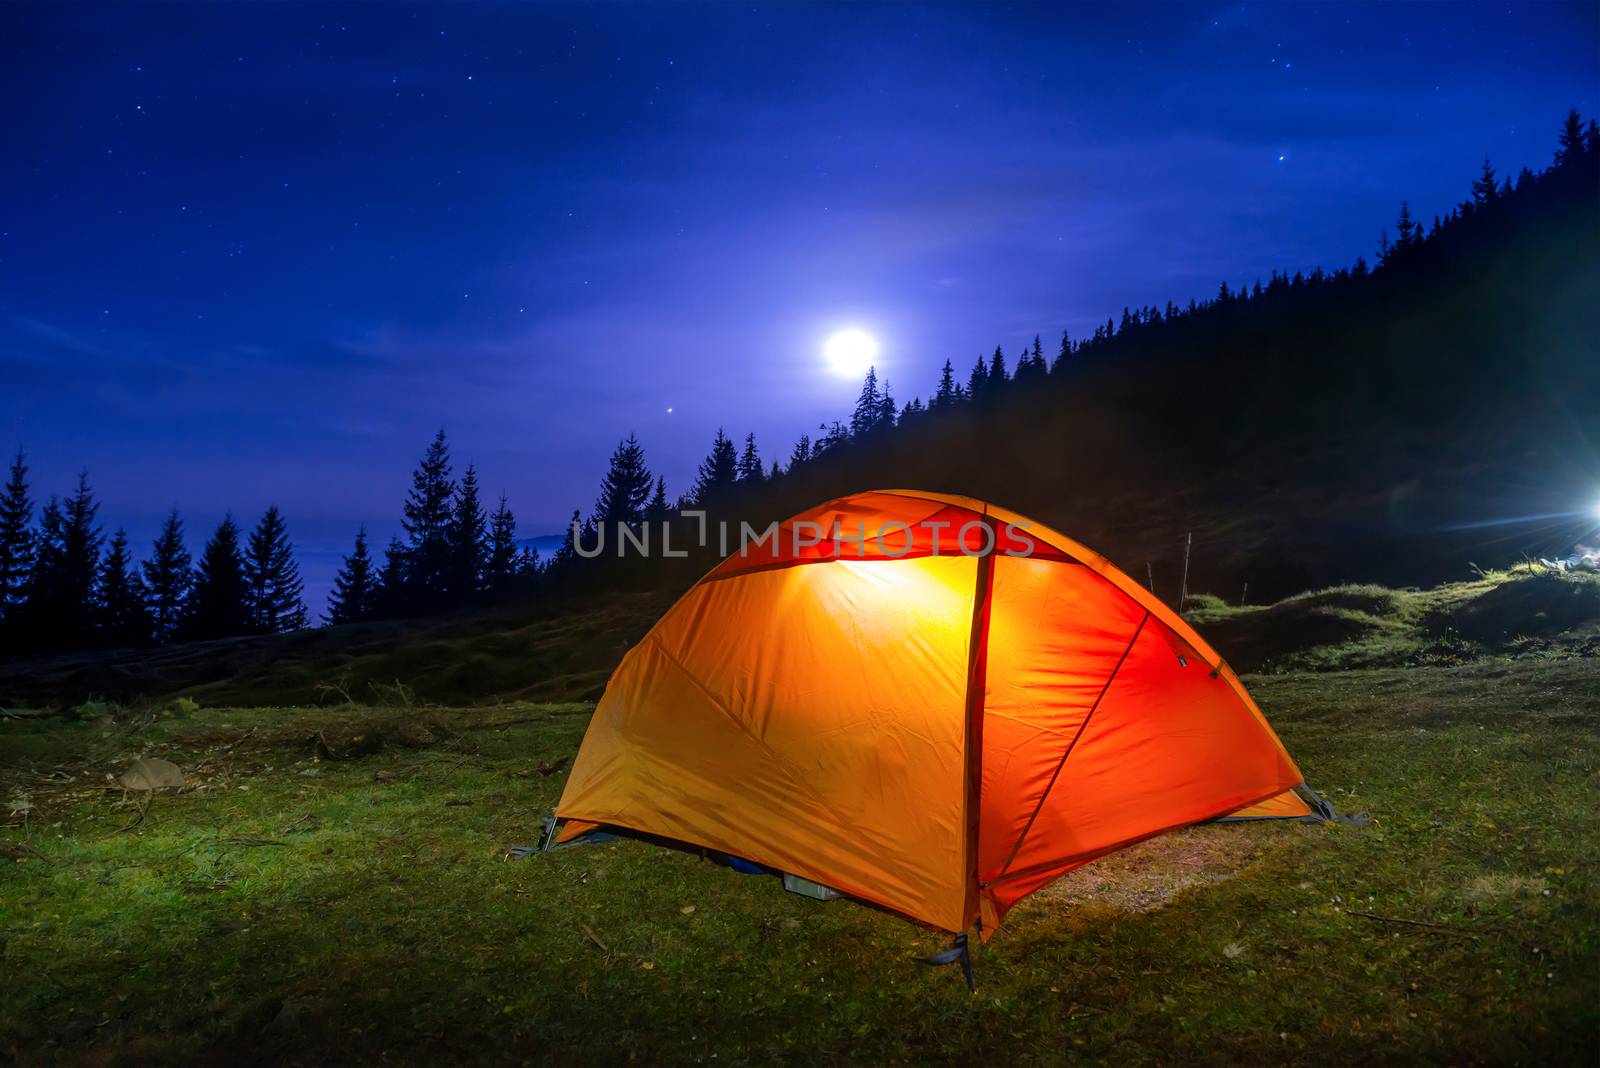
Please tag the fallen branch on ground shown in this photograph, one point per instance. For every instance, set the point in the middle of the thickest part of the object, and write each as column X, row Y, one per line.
column 1416, row 923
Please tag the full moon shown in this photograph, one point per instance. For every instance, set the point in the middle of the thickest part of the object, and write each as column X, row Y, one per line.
column 850, row 352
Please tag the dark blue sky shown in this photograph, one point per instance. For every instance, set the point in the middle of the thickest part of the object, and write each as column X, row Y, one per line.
column 254, row 254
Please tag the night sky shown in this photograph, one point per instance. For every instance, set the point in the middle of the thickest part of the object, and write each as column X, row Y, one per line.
column 259, row 254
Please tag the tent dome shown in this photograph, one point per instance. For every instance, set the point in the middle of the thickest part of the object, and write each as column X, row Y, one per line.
column 924, row 701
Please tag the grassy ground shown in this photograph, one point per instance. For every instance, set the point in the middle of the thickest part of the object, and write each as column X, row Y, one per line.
column 563, row 650
column 1527, row 614
column 290, row 905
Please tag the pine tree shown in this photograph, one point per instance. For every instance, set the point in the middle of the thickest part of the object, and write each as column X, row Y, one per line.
column 869, row 405
column 48, row 552
column 801, row 453
column 945, row 395
column 1483, row 188
column 120, row 614
column 775, row 472
column 1405, row 228
column 272, row 578
column 394, row 580
column 500, row 565
column 997, row 370
column 217, row 600
column 978, row 380
column 750, row 469
column 886, row 410
column 167, row 579
column 355, row 587
column 1570, row 142
column 427, row 526
column 16, row 540
column 625, row 488
column 567, row 554
column 718, row 474
column 465, row 534
column 1031, row 366
column 1064, row 353
column 657, row 509
column 60, row 602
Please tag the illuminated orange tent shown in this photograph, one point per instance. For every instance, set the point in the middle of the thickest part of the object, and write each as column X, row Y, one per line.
column 926, row 702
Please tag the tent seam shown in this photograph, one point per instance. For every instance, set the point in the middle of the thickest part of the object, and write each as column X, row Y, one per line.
column 1055, row 775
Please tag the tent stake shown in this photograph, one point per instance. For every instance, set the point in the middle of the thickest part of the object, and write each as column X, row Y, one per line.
column 959, row 953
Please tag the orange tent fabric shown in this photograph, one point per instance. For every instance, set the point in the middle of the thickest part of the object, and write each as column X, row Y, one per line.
column 927, row 702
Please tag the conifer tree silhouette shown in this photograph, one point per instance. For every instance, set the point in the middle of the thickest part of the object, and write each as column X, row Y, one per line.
column 500, row 564
column 120, row 614
column 272, row 578
column 355, row 587
column 16, row 540
column 394, row 582
column 886, row 410
column 945, row 395
column 1570, row 143
column 718, row 474
column 60, row 599
column 625, row 487
column 1064, row 353
column 167, row 579
column 567, row 554
column 657, row 509
column 801, row 452
column 997, row 370
column 978, row 380
column 465, row 536
column 750, row 470
column 48, row 552
column 1031, row 368
column 427, row 526
column 869, row 405
column 218, row 599
column 1404, row 227
column 1484, row 190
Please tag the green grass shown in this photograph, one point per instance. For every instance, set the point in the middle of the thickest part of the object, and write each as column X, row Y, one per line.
column 1364, row 626
column 285, row 907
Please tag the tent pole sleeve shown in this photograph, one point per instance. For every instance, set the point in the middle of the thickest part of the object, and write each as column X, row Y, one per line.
column 1054, row 775
column 977, row 675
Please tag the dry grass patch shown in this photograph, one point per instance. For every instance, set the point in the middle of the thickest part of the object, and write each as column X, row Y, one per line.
column 1148, row 876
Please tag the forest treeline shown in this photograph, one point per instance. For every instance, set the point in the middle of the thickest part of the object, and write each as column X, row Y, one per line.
column 64, row 585
column 1335, row 356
